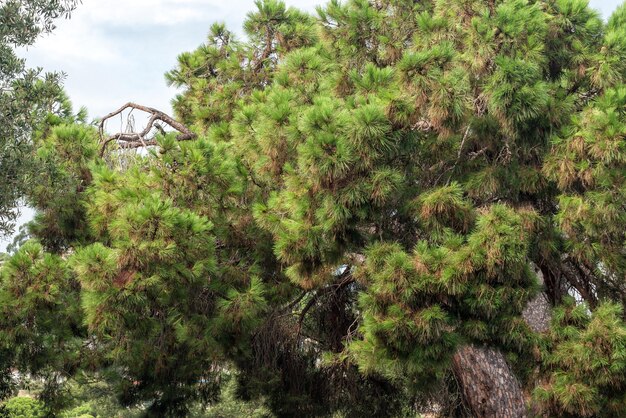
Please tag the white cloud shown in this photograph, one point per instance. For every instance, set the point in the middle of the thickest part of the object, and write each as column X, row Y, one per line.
column 118, row 50
column 147, row 12
column 76, row 41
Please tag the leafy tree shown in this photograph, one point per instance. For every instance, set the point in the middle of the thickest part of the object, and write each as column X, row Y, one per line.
column 589, row 170
column 25, row 95
column 62, row 160
column 40, row 326
column 424, row 128
column 147, row 290
column 360, row 227
column 585, row 362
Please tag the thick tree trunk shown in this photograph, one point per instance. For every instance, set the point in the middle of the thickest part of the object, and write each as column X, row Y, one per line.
column 488, row 384
column 489, row 387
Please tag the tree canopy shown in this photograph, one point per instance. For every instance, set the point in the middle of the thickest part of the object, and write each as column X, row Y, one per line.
column 26, row 95
column 384, row 209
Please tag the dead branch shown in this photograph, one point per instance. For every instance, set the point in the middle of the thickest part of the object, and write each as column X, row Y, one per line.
column 139, row 139
column 345, row 279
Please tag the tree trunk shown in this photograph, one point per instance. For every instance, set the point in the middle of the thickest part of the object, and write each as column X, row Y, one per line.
column 489, row 387
column 538, row 311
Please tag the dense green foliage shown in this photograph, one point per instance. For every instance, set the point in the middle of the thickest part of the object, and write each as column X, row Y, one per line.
column 585, row 362
column 41, row 318
column 371, row 190
column 26, row 96
column 23, row 407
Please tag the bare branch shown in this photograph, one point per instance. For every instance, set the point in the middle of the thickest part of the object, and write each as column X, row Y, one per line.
column 138, row 139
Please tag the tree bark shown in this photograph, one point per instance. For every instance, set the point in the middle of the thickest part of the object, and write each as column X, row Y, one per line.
column 489, row 387
column 139, row 139
column 538, row 311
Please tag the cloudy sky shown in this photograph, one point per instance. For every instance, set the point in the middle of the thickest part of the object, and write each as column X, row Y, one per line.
column 115, row 51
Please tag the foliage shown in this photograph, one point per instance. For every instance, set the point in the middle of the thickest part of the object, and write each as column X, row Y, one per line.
column 148, row 287
column 26, row 96
column 419, row 308
column 585, row 362
column 369, row 191
column 230, row 406
column 40, row 330
column 24, row 407
column 62, row 160
column 588, row 167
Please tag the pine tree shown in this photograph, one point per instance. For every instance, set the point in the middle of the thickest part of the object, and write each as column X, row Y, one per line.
column 40, row 330
column 364, row 220
column 584, row 360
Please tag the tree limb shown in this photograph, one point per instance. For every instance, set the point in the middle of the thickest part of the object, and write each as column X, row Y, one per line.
column 139, row 139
